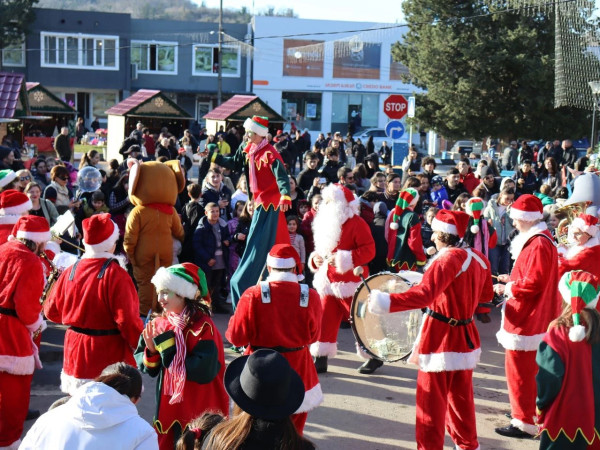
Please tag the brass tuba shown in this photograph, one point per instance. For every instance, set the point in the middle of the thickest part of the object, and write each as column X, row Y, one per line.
column 54, row 274
column 585, row 198
column 567, row 214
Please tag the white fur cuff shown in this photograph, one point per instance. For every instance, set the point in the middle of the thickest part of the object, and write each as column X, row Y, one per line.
column 508, row 290
column 379, row 302
column 343, row 261
column 324, row 349
column 33, row 327
column 310, row 263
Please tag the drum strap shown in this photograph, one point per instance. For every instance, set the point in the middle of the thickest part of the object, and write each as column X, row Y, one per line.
column 453, row 323
column 304, row 295
column 471, row 255
column 265, row 293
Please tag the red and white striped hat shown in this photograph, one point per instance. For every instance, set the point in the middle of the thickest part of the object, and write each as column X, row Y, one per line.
column 99, row 233
column 14, row 203
column 258, row 125
column 528, row 208
column 33, row 228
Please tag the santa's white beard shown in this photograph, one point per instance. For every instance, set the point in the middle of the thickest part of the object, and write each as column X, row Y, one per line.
column 521, row 239
column 327, row 226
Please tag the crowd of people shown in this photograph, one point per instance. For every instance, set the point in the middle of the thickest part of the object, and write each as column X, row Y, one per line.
column 164, row 251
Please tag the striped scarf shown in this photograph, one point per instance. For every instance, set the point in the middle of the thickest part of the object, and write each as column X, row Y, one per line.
column 175, row 373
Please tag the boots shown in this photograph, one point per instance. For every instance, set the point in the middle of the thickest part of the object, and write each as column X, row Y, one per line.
column 370, row 366
column 321, row 364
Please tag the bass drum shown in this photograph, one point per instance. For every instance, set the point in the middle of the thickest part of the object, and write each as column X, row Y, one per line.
column 388, row 337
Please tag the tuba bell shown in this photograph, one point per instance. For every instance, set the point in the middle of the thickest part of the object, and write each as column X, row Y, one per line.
column 584, row 199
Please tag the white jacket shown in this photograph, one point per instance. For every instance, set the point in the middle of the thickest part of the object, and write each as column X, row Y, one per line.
column 96, row 417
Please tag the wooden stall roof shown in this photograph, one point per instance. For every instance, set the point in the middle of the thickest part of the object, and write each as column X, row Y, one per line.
column 240, row 107
column 149, row 103
column 42, row 101
column 13, row 96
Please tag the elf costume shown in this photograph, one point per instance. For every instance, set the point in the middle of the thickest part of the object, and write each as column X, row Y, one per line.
column 582, row 257
column 7, row 176
column 96, row 298
column 448, row 346
column 21, row 286
column 282, row 315
column 568, row 380
column 13, row 204
column 189, row 361
column 532, row 303
column 269, row 189
column 405, row 250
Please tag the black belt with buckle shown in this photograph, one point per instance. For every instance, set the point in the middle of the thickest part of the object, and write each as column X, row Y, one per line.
column 92, row 332
column 277, row 349
column 453, row 323
column 8, row 312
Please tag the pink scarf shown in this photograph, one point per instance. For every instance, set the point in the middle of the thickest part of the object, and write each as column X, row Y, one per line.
column 482, row 244
column 252, row 155
column 175, row 373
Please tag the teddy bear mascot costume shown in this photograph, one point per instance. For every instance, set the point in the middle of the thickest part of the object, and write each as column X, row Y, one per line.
column 152, row 224
column 21, row 286
column 283, row 315
column 269, row 189
column 343, row 241
column 584, row 254
column 13, row 204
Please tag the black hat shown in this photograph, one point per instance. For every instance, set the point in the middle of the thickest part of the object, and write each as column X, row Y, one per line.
column 4, row 151
column 133, row 148
column 264, row 385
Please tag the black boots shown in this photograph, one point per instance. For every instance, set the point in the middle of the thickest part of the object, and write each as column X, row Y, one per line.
column 370, row 366
column 321, row 364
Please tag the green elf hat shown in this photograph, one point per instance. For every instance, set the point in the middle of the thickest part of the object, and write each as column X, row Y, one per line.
column 474, row 208
column 6, row 176
column 183, row 279
column 407, row 197
column 258, row 125
column 581, row 290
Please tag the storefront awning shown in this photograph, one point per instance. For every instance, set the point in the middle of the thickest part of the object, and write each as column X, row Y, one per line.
column 44, row 102
column 13, row 96
column 240, row 107
column 149, row 103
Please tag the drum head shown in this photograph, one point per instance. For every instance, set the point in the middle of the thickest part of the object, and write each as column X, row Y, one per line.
column 388, row 337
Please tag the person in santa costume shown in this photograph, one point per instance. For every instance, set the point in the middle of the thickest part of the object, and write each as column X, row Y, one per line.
column 584, row 254
column 343, row 241
column 405, row 250
column 13, row 204
column 448, row 347
column 269, row 189
column 184, row 349
column 285, row 316
column 531, row 304
column 481, row 236
column 97, row 299
column 568, row 394
column 21, row 286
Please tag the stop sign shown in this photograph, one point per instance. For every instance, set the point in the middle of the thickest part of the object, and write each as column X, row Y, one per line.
column 395, row 106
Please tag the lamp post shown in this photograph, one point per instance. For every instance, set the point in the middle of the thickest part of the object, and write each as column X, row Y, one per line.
column 595, row 86
column 220, row 57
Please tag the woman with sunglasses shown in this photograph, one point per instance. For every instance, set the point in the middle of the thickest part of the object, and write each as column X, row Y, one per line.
column 24, row 177
column 58, row 191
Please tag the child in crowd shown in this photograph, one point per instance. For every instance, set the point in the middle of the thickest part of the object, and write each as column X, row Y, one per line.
column 350, row 159
column 96, row 205
column 544, row 195
column 197, row 430
column 184, row 348
column 215, row 191
column 426, row 231
column 234, row 258
column 240, row 233
column 191, row 214
column 303, row 208
column 438, row 191
column 297, row 241
column 567, row 358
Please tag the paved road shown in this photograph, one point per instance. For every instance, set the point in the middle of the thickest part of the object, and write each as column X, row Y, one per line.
column 360, row 412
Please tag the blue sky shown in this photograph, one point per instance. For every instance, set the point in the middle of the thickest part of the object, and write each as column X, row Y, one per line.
column 350, row 10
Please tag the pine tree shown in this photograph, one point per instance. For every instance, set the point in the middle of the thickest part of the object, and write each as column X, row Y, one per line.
column 15, row 17
column 486, row 72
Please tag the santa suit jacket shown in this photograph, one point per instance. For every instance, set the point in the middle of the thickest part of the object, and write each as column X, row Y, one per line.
column 21, row 286
column 355, row 247
column 108, row 303
column 282, row 322
column 453, row 284
column 7, row 223
column 581, row 257
column 532, row 295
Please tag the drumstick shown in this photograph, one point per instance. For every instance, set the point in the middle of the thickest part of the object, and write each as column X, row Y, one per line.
column 358, row 271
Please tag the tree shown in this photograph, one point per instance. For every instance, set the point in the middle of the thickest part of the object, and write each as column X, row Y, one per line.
column 486, row 72
column 15, row 17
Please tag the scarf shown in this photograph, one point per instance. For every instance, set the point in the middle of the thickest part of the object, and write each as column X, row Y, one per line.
column 62, row 194
column 175, row 373
column 482, row 239
column 253, row 150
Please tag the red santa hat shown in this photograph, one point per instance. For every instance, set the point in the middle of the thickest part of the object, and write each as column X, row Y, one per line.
column 14, row 203
column 33, row 228
column 258, row 125
column 99, row 233
column 284, row 256
column 528, row 208
column 52, row 249
column 451, row 222
column 586, row 223
column 340, row 193
column 580, row 290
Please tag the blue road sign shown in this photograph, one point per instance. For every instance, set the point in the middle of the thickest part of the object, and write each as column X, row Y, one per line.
column 394, row 129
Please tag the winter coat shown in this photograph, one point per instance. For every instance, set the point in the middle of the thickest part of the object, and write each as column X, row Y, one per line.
column 501, row 222
column 205, row 243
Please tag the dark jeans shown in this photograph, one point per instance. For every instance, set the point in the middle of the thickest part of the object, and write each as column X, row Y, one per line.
column 215, row 281
column 500, row 259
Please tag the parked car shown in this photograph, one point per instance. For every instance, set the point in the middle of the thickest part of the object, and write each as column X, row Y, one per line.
column 378, row 137
column 463, row 147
